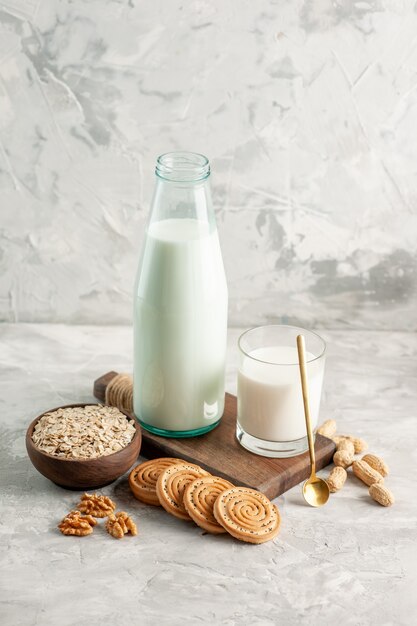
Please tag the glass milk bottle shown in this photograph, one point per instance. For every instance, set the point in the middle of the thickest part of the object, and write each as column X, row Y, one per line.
column 180, row 309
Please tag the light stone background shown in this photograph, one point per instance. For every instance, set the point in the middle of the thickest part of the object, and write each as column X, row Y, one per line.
column 307, row 110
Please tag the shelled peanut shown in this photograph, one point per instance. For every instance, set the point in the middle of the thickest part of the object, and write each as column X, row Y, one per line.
column 370, row 469
column 366, row 473
column 376, row 463
column 327, row 429
column 359, row 444
column 336, row 479
column 345, row 451
column 378, row 490
column 381, row 494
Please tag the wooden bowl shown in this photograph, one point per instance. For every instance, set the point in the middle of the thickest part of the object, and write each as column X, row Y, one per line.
column 83, row 473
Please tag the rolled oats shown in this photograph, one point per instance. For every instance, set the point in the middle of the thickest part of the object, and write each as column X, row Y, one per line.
column 83, row 432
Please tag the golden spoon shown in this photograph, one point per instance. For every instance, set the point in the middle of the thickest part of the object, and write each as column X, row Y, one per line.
column 315, row 490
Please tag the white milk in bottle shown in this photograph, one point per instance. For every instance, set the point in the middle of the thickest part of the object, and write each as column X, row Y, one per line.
column 180, row 313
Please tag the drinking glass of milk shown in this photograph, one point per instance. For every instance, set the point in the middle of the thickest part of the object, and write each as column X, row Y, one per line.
column 180, row 311
column 270, row 419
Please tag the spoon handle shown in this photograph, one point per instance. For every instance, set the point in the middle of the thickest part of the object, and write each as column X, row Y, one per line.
column 304, row 384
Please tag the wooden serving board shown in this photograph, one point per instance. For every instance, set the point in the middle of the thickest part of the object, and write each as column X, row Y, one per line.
column 221, row 454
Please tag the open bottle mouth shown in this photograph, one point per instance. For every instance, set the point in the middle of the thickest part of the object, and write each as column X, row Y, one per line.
column 182, row 166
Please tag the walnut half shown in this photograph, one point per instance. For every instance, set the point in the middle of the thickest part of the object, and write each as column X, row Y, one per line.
column 96, row 505
column 119, row 524
column 76, row 524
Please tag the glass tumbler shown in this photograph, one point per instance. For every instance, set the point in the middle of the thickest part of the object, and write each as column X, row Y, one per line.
column 270, row 420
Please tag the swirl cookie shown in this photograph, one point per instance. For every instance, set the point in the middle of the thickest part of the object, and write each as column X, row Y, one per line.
column 199, row 498
column 247, row 515
column 171, row 484
column 143, row 477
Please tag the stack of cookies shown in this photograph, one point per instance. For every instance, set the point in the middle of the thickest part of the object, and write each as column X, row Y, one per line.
column 190, row 493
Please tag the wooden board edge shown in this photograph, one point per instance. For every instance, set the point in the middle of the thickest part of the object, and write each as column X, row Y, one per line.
column 328, row 448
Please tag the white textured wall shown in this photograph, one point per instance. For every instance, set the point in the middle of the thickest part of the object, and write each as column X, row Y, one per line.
column 307, row 110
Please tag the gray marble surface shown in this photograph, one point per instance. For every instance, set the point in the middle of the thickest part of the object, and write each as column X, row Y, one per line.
column 307, row 111
column 350, row 563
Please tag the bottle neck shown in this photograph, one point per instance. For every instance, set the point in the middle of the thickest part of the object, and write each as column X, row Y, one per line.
column 182, row 189
column 182, row 167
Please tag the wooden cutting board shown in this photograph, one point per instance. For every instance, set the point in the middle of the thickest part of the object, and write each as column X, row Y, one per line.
column 221, row 454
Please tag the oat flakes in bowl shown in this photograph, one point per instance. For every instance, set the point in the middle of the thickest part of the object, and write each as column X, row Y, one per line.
column 83, row 432
column 83, row 446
